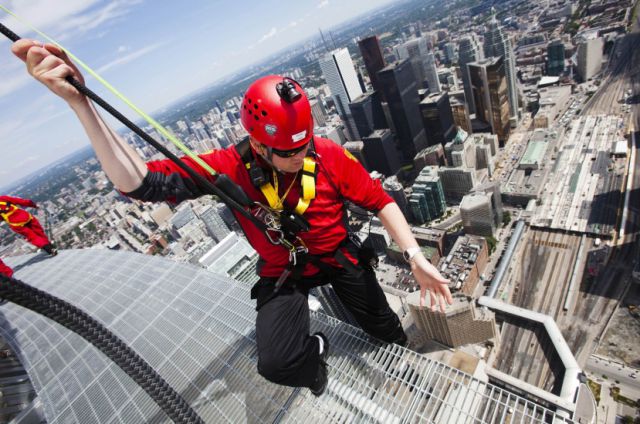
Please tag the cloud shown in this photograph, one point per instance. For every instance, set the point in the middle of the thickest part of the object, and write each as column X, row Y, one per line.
column 268, row 35
column 323, row 3
column 129, row 57
column 13, row 82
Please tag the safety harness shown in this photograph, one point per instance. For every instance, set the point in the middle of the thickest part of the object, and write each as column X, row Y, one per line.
column 8, row 209
column 301, row 256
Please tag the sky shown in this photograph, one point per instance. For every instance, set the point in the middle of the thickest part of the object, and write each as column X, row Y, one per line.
column 154, row 52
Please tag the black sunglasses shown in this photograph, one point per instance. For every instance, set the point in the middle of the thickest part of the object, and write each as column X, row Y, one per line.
column 289, row 153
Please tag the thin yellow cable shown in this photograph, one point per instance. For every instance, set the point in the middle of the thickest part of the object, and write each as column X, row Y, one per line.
column 155, row 124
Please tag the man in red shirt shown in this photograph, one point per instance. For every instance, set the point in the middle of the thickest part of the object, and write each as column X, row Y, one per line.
column 5, row 270
column 284, row 167
column 25, row 224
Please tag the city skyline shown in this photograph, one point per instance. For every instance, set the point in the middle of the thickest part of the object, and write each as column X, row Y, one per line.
column 128, row 44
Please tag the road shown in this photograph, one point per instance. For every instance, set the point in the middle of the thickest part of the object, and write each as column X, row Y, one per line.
column 616, row 373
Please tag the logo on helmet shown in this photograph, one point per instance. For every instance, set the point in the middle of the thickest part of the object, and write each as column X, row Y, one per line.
column 299, row 136
column 270, row 129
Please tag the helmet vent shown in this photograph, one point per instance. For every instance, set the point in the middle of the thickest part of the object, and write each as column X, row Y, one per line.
column 264, row 113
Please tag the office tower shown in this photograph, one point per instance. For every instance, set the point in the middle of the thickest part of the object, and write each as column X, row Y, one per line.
column 401, row 91
column 197, row 330
column 213, row 222
column 423, row 62
column 394, row 189
column 431, row 156
column 460, row 111
column 555, row 58
column 477, row 214
column 456, row 182
column 356, row 148
column 431, row 73
column 340, row 74
column 318, row 113
column 437, row 119
column 373, row 60
column 460, row 324
column 498, row 44
column 460, row 151
column 367, row 113
column 468, row 51
column 427, row 201
column 450, row 53
column 493, row 189
column 332, row 306
column 490, row 94
column 381, row 153
column 589, row 57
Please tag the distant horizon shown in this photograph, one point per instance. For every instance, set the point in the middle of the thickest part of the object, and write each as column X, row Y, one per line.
column 38, row 128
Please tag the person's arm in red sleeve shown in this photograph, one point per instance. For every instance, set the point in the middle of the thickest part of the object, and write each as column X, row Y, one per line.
column 18, row 201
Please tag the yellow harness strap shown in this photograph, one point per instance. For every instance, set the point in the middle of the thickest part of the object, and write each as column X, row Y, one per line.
column 308, row 192
column 11, row 211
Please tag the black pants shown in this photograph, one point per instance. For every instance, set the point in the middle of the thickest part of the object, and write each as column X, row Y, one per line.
column 287, row 354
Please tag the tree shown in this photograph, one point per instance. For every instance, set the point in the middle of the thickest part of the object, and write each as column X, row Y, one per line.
column 627, row 419
column 491, row 242
column 506, row 218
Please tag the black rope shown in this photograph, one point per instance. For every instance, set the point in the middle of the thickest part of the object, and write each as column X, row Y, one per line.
column 102, row 338
column 236, row 202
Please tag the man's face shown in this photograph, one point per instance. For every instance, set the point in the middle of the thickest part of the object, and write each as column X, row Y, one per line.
column 287, row 160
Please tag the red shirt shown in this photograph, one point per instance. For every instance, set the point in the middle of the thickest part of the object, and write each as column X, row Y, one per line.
column 339, row 176
column 12, row 214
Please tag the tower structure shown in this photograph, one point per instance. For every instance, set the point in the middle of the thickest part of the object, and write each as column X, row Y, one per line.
column 401, row 92
column 498, row 44
column 340, row 74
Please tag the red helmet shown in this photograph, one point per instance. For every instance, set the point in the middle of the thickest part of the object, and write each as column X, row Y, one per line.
column 276, row 112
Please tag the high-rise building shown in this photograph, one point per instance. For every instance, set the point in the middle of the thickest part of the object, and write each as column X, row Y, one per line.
column 490, row 94
column 418, row 52
column 318, row 112
column 431, row 156
column 555, row 58
column 456, row 182
column 589, row 57
column 381, row 153
column 394, row 189
column 427, row 201
column 213, row 222
column 477, row 214
column 340, row 74
column 450, row 53
column 373, row 60
column 460, row 324
column 401, row 91
column 465, row 263
column 460, row 110
column 437, row 119
column 367, row 113
column 460, row 151
column 498, row 44
column 469, row 50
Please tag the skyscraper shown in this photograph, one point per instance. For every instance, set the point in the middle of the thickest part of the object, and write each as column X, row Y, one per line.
column 340, row 74
column 418, row 52
column 394, row 189
column 401, row 91
column 498, row 44
column 589, row 57
column 437, row 119
column 555, row 58
column 468, row 51
column 460, row 110
column 373, row 60
column 477, row 214
column 460, row 324
column 381, row 153
column 367, row 113
column 490, row 94
column 427, row 200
